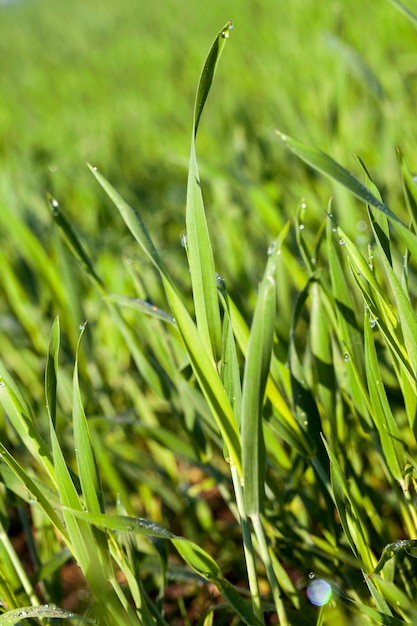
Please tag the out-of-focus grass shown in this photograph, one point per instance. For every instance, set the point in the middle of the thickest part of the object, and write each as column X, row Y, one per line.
column 114, row 84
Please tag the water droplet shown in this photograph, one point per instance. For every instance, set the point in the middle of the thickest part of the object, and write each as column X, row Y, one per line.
column 334, row 229
column 303, row 205
column 94, row 169
column 301, row 227
column 361, row 226
column 342, row 242
column 305, row 422
column 272, row 248
column 319, row 592
column 2, row 384
column 54, row 203
column 82, row 325
column 346, row 357
column 311, row 575
column 226, row 32
column 372, row 323
column 184, row 241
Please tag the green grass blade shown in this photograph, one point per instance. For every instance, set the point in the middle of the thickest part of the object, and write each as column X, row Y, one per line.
column 73, row 240
column 31, row 490
column 132, row 221
column 142, row 306
column 200, row 253
column 208, row 72
column 409, row 188
column 257, row 364
column 20, row 416
column 202, row 363
column 15, row 617
column 51, row 371
column 87, row 467
column 390, row 436
column 328, row 166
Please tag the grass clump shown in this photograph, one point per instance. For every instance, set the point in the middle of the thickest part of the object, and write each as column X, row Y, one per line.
column 199, row 459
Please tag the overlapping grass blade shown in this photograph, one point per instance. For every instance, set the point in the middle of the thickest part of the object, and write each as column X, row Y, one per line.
column 257, row 364
column 87, row 467
column 201, row 361
column 409, row 184
column 200, row 253
column 390, row 436
column 23, row 422
column 328, row 166
column 347, row 329
column 195, row 556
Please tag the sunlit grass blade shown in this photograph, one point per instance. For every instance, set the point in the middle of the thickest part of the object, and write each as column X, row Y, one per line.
column 389, row 433
column 409, row 184
column 142, row 306
column 201, row 361
column 132, row 221
column 73, row 240
column 200, row 253
column 31, row 490
column 87, row 467
column 195, row 556
column 350, row 517
column 328, row 166
column 347, row 329
column 23, row 421
column 257, row 363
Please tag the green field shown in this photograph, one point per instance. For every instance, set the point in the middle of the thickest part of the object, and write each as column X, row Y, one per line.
column 234, row 429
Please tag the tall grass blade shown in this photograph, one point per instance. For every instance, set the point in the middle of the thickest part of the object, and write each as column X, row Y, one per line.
column 201, row 361
column 200, row 253
column 257, row 364
column 51, row 371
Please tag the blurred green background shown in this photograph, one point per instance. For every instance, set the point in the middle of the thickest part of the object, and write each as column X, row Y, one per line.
column 113, row 84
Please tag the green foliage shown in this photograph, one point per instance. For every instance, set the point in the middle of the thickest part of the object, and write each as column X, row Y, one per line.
column 232, row 436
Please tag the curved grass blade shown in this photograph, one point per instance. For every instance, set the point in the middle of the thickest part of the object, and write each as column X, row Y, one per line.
column 142, row 306
column 199, row 249
column 200, row 358
column 73, row 240
column 323, row 163
column 195, row 556
column 23, row 422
